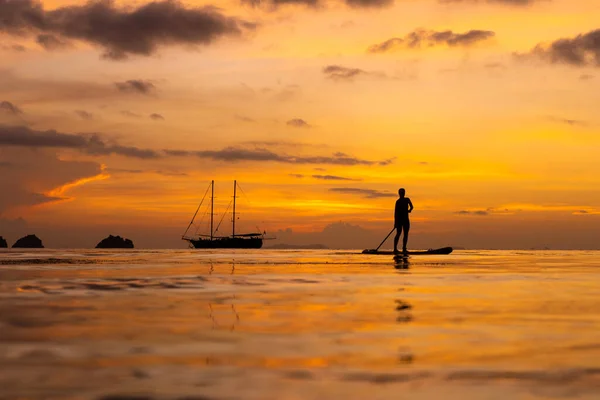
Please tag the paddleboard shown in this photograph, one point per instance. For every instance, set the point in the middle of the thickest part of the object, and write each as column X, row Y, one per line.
column 443, row 250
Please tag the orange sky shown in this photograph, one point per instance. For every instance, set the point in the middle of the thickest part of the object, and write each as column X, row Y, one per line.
column 496, row 143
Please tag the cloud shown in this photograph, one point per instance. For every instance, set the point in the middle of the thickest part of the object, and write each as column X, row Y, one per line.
column 277, row 3
column 94, row 144
column 505, row 2
column 368, row 193
column 14, row 47
column 369, row 3
column 84, row 115
column 333, row 178
column 135, row 86
column 91, row 144
column 244, row 118
column 235, row 154
column 298, row 123
column 157, row 117
column 477, row 212
column 315, row 3
column 35, row 173
column 567, row 121
column 130, row 114
column 9, row 108
column 122, row 32
column 580, row 51
column 299, row 176
column 424, row 38
column 338, row 72
column 51, row 42
column 586, row 77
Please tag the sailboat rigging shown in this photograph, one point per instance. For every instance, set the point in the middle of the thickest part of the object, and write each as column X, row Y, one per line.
column 211, row 241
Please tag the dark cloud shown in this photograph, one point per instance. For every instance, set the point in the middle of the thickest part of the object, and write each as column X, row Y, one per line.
column 333, row 178
column 84, row 115
column 338, row 72
column 91, row 144
column 369, row 3
column 136, row 86
column 9, row 108
column 299, row 176
column 298, row 123
column 121, row 32
column 424, row 38
column 157, row 117
column 368, row 193
column 478, row 212
column 581, row 51
column 235, row 154
column 94, row 144
column 51, row 42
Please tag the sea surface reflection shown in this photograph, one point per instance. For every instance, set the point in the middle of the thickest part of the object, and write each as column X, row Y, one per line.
column 298, row 324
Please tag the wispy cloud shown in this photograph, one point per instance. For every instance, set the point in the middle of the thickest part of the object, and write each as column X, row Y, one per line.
column 95, row 144
column 9, row 108
column 84, row 115
column 318, row 3
column 136, row 86
column 427, row 38
column 333, row 178
column 338, row 72
column 368, row 193
column 298, row 123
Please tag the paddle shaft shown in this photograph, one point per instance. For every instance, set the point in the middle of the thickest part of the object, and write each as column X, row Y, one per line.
column 386, row 238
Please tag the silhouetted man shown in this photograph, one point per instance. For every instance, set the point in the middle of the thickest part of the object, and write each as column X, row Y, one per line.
column 401, row 222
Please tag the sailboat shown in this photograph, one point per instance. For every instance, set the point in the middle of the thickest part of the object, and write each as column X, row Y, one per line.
column 211, row 241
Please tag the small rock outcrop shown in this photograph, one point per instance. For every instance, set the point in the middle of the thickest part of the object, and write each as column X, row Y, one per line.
column 115, row 242
column 3, row 244
column 28, row 242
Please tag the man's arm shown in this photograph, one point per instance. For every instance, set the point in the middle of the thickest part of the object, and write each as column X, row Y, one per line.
column 410, row 206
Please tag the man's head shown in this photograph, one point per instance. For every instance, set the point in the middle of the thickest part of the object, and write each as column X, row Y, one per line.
column 401, row 192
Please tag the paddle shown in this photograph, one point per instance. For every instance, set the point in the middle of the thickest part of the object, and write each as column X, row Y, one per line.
column 366, row 251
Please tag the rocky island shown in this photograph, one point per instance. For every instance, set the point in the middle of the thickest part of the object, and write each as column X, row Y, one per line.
column 115, row 242
column 28, row 242
column 3, row 244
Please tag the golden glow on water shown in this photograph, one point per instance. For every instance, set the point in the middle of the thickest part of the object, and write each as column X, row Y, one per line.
column 515, row 321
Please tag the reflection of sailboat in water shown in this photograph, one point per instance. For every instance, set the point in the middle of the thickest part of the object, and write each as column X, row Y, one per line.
column 235, row 241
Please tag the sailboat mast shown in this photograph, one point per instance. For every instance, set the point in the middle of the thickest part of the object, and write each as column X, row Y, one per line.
column 234, row 195
column 212, row 209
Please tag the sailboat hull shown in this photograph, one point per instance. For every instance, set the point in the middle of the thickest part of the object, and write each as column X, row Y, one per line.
column 227, row 243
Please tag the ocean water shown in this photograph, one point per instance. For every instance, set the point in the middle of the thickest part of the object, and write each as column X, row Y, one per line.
column 187, row 324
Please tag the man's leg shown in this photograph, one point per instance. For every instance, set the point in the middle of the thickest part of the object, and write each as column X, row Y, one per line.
column 397, row 238
column 406, row 228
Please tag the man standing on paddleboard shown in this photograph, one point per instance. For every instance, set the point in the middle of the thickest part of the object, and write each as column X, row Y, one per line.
column 401, row 222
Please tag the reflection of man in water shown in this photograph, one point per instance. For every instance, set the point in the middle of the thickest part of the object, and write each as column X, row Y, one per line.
column 401, row 222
